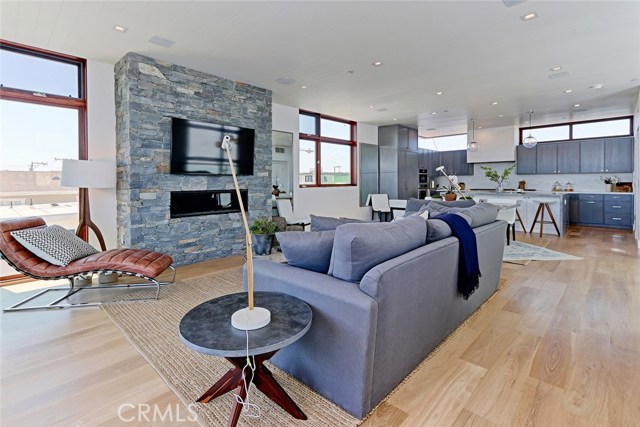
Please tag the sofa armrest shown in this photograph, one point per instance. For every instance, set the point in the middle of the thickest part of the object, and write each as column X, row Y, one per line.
column 337, row 349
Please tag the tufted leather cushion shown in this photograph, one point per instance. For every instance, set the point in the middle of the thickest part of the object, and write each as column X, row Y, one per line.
column 138, row 261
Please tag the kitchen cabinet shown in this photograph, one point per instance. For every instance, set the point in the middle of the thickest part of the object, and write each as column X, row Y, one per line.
column 398, row 161
column 455, row 162
column 592, row 156
column 526, row 158
column 591, row 209
column 546, row 157
column 618, row 211
column 618, row 155
column 407, row 174
column 368, row 171
column 568, row 157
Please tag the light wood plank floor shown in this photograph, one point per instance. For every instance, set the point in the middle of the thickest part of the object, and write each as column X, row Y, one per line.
column 558, row 346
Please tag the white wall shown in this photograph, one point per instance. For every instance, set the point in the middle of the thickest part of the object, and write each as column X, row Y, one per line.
column 101, row 118
column 494, row 145
column 325, row 201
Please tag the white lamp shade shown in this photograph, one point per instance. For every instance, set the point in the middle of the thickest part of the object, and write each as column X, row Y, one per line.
column 88, row 174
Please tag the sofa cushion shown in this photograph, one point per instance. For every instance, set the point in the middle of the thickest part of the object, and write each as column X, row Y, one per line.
column 54, row 244
column 481, row 214
column 310, row 250
column 456, row 203
column 359, row 247
column 414, row 205
column 327, row 223
column 437, row 230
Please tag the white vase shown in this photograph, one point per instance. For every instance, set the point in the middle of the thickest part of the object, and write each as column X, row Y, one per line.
column 609, row 187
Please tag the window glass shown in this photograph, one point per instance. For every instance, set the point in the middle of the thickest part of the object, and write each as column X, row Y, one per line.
column 444, row 143
column 36, row 74
column 600, row 129
column 334, row 129
column 336, row 163
column 307, row 161
column 553, row 133
column 307, row 124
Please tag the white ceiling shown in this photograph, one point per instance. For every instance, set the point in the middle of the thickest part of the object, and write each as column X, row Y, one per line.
column 476, row 52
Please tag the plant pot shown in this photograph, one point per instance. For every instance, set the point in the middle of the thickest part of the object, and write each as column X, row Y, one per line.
column 450, row 197
column 609, row 187
column 262, row 243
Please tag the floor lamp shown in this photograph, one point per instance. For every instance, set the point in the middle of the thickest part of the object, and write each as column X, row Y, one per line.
column 85, row 174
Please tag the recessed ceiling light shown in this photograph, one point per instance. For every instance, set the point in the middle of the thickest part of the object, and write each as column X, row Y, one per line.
column 500, row 115
column 568, row 90
column 372, row 106
column 576, row 105
column 121, row 29
column 434, row 113
column 303, row 87
column 494, row 103
column 529, row 16
column 596, row 86
column 395, row 119
column 377, row 64
column 350, row 71
column 526, row 122
column 479, row 127
column 161, row 41
column 439, row 93
column 445, row 111
column 556, row 68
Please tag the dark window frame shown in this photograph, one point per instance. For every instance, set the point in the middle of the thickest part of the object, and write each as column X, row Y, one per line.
column 318, row 140
column 525, row 130
column 79, row 104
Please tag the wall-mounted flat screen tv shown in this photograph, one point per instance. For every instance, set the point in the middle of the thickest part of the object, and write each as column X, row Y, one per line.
column 196, row 148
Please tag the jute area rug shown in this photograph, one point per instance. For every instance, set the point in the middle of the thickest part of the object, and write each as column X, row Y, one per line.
column 152, row 327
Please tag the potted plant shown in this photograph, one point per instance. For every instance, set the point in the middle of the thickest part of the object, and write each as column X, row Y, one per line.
column 499, row 178
column 450, row 196
column 262, row 230
column 610, row 181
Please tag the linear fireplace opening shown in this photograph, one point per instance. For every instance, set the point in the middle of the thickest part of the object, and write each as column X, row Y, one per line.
column 208, row 202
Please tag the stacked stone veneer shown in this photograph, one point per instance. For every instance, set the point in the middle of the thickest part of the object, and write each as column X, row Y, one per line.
column 148, row 93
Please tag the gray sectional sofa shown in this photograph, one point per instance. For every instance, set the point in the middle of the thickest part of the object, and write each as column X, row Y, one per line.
column 368, row 334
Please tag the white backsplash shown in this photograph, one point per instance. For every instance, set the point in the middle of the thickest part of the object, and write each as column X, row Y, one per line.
column 541, row 182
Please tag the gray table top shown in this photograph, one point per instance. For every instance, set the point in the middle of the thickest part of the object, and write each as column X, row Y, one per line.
column 207, row 328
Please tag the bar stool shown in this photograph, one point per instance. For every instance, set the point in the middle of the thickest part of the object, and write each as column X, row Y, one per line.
column 542, row 205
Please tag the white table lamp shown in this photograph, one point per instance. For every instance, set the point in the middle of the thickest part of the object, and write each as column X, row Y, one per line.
column 85, row 174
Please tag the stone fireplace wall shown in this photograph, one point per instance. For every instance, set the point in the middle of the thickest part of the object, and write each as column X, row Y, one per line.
column 148, row 93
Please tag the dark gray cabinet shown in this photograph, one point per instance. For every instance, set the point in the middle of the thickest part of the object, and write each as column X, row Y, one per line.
column 526, row 158
column 618, row 211
column 592, row 156
column 398, row 161
column 618, row 155
column 455, row 162
column 407, row 174
column 368, row 171
column 591, row 209
column 568, row 157
column 546, row 158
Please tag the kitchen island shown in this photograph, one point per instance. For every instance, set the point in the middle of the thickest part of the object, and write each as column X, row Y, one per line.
column 590, row 208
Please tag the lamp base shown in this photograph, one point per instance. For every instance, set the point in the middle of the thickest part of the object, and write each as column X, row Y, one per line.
column 248, row 320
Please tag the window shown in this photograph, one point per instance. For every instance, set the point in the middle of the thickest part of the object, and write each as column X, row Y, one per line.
column 444, row 143
column 327, row 151
column 618, row 126
column 42, row 121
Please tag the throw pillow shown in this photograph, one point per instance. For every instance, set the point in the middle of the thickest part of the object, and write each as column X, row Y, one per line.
column 359, row 247
column 481, row 214
column 437, row 230
column 414, row 205
column 54, row 244
column 326, row 223
column 309, row 250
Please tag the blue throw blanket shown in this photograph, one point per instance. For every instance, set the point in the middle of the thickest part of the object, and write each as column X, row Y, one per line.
column 468, row 266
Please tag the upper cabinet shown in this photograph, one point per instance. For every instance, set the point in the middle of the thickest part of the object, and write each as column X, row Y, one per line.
column 618, row 155
column 526, row 158
column 608, row 155
column 455, row 162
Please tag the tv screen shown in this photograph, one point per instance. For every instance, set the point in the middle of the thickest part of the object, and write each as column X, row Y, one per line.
column 196, row 148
